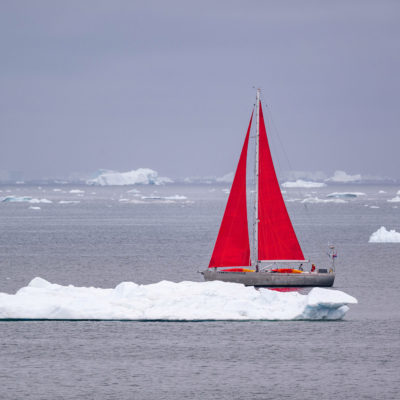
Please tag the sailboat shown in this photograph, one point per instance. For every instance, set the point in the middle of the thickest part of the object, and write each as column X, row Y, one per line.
column 277, row 256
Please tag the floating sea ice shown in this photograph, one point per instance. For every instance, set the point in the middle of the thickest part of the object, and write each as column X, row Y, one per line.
column 156, row 197
column 144, row 176
column 384, row 236
column 381, row 192
column 68, row 202
column 303, row 184
column 23, row 199
column 395, row 199
column 339, row 195
column 176, row 197
column 316, row 200
column 184, row 301
column 34, row 208
column 77, row 191
column 227, row 178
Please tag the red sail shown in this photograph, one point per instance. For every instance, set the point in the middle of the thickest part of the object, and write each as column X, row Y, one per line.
column 276, row 237
column 232, row 247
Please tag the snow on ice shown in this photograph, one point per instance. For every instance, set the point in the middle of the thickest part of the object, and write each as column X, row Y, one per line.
column 382, row 235
column 184, row 301
column 303, row 184
column 144, row 176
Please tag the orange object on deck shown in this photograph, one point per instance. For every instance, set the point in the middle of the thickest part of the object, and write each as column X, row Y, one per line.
column 287, row 271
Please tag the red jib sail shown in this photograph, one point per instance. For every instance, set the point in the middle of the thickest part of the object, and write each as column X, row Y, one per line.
column 276, row 237
column 232, row 247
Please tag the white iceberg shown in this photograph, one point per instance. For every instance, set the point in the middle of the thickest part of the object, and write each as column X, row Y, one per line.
column 303, row 184
column 143, row 176
column 169, row 301
column 394, row 200
column 316, row 200
column 384, row 236
column 343, row 177
column 68, row 202
column 23, row 199
column 34, row 208
column 76, row 191
column 156, row 197
column 339, row 195
column 227, row 178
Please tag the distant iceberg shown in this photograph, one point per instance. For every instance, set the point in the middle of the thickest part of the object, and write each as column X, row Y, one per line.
column 227, row 178
column 142, row 176
column 23, row 199
column 339, row 195
column 384, row 236
column 209, row 180
column 316, row 200
column 155, row 197
column 343, row 177
column 170, row 301
column 303, row 184
column 395, row 199
column 76, row 191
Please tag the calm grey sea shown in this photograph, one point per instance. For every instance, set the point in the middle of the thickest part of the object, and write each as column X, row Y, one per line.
column 113, row 235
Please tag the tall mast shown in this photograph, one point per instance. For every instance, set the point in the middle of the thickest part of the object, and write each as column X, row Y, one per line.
column 255, row 227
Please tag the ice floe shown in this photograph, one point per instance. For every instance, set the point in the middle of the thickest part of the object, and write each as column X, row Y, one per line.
column 227, row 178
column 395, row 199
column 77, row 191
column 315, row 200
column 23, row 199
column 382, row 235
column 143, row 176
column 169, row 301
column 303, row 184
column 69, row 202
column 343, row 177
column 339, row 195
column 34, row 208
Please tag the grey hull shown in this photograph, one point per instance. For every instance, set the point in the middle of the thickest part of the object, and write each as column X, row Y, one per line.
column 271, row 278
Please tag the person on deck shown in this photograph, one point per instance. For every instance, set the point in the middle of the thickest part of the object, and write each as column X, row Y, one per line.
column 312, row 268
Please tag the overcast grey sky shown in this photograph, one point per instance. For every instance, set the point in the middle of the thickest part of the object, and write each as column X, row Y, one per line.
column 169, row 84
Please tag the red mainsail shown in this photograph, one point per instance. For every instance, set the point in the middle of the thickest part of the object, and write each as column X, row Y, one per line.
column 276, row 237
column 232, row 247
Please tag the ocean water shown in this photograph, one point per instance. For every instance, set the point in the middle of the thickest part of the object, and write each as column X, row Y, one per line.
column 113, row 235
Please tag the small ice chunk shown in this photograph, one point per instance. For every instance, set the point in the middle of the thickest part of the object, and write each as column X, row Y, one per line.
column 76, row 191
column 382, row 235
column 303, row 184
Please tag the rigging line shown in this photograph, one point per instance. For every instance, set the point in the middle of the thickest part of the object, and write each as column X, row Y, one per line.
column 308, row 215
